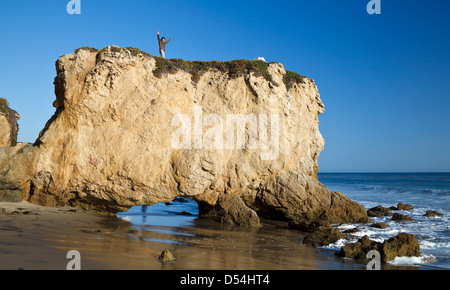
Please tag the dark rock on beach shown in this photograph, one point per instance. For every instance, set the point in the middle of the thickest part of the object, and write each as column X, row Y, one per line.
column 432, row 213
column 380, row 225
column 320, row 232
column 379, row 211
column 351, row 231
column 403, row 245
column 322, row 237
column 166, row 256
column 398, row 217
column 403, row 206
column 308, row 226
column 359, row 249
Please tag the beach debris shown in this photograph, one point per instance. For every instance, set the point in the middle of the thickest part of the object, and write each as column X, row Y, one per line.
column 432, row 213
column 398, row 217
column 166, row 256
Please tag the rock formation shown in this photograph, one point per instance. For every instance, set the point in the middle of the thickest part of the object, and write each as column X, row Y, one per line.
column 8, row 124
column 402, row 245
column 241, row 138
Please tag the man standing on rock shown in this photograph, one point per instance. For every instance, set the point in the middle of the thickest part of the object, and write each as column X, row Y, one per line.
column 162, row 45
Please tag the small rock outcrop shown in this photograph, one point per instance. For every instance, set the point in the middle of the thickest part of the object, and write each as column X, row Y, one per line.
column 318, row 232
column 322, row 237
column 404, row 206
column 379, row 211
column 402, row 245
column 166, row 256
column 379, row 225
column 432, row 213
column 398, row 217
column 240, row 137
column 359, row 249
column 9, row 127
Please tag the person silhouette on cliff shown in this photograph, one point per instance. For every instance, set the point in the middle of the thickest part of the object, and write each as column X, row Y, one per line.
column 162, row 45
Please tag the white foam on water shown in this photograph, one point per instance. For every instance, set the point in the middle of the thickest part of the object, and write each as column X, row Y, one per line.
column 404, row 261
column 429, row 244
column 344, row 227
column 338, row 244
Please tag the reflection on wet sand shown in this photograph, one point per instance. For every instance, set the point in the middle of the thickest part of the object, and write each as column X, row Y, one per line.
column 135, row 241
column 35, row 237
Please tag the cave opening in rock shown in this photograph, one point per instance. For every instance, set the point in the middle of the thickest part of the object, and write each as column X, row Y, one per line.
column 179, row 212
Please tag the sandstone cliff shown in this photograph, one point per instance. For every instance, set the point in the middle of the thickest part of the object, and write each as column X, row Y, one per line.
column 241, row 138
column 8, row 124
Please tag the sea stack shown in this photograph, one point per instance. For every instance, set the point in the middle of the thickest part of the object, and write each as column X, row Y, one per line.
column 241, row 138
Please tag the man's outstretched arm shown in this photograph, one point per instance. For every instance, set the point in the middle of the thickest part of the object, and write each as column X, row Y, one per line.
column 157, row 33
column 168, row 40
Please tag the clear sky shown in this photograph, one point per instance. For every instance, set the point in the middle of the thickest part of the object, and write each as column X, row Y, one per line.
column 384, row 79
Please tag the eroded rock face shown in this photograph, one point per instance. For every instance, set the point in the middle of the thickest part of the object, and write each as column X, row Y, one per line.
column 8, row 124
column 123, row 135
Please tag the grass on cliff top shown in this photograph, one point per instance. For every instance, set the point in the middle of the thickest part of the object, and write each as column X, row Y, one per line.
column 234, row 68
column 4, row 105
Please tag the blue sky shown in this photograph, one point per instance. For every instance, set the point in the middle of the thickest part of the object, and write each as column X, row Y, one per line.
column 384, row 79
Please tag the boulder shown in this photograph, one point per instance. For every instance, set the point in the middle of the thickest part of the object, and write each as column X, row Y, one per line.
column 432, row 213
column 166, row 256
column 402, row 245
column 398, row 217
column 403, row 206
column 322, row 236
column 359, row 249
column 309, row 226
column 380, row 225
column 379, row 211
column 351, row 231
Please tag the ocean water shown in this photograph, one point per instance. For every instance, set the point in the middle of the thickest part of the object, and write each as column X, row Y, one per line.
column 424, row 191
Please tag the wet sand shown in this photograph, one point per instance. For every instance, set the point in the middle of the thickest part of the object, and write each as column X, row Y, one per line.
column 38, row 238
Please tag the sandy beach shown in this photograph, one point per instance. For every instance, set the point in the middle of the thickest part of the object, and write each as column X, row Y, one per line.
column 30, row 233
column 39, row 238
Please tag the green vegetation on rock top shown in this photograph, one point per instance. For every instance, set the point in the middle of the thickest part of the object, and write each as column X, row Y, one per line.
column 3, row 105
column 234, row 68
